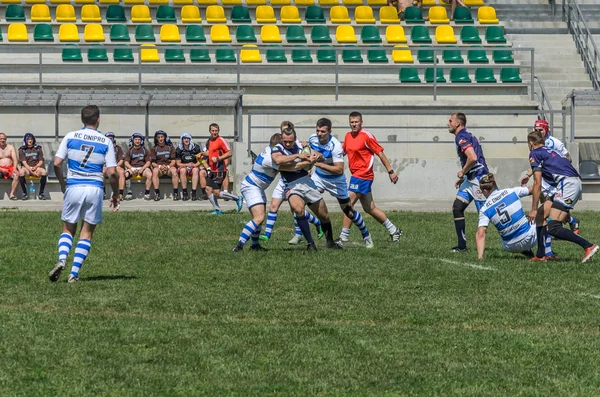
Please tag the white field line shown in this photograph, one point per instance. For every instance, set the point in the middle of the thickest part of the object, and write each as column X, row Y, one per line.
column 591, row 296
column 471, row 265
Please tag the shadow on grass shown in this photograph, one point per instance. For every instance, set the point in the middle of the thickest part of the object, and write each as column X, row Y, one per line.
column 109, row 277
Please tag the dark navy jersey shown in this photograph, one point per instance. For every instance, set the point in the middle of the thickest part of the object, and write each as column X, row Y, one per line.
column 464, row 140
column 553, row 165
column 289, row 176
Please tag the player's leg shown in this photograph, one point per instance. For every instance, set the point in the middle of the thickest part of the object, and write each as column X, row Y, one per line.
column 121, row 173
column 357, row 219
column 256, row 200
column 559, row 213
column 202, row 176
column 276, row 201
column 156, row 174
column 212, row 190
column 368, row 204
column 347, row 222
column 23, row 173
column 65, row 242
column 195, row 179
column 15, row 182
column 148, row 175
column 183, row 174
column 43, row 174
column 172, row 172
column 458, row 211
column 297, row 205
column 320, row 208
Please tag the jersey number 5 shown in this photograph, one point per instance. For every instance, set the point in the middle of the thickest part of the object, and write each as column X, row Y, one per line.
column 503, row 213
column 88, row 149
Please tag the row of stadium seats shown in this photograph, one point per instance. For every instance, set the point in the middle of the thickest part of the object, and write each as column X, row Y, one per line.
column 241, row 14
column 170, row 33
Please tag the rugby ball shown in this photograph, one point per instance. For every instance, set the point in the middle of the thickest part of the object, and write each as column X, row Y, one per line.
column 308, row 150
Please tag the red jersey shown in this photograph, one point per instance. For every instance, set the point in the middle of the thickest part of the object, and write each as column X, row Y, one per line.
column 361, row 150
column 217, row 148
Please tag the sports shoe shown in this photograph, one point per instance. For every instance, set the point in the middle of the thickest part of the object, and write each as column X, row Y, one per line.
column 334, row 245
column 185, row 196
column 311, row 247
column 297, row 239
column 56, row 271
column 574, row 225
column 176, row 197
column 25, row 197
column 369, row 242
column 146, row 197
column 240, row 203
column 217, row 212
column 458, row 249
column 41, row 197
column 156, row 197
column 536, row 259
column 72, row 279
column 396, row 235
column 258, row 247
column 552, row 257
column 238, row 247
column 589, row 252
column 320, row 232
column 194, row 196
column 129, row 196
column 341, row 241
column 263, row 237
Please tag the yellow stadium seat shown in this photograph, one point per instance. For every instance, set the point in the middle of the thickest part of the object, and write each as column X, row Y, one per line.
column 206, row 2
column 149, row 53
column 280, row 2
column 231, row 2
column 250, row 54
column 17, row 32
column 437, row 14
column 220, row 34
column 85, row 1
column 190, row 14
column 487, row 14
column 304, row 2
column 339, row 14
column 158, row 2
column 328, row 2
column 270, row 34
column 133, row 1
column 26, row 1
column 40, row 13
column 395, row 34
column 290, row 14
column 170, row 33
column 445, row 34
column 265, row 14
column 345, row 34
column 401, row 54
column 110, row 1
column 364, row 14
column 68, row 32
column 474, row 3
column 60, row 1
column 256, row 2
column 140, row 13
column 93, row 32
column 388, row 14
column 90, row 13
column 183, row 2
column 429, row 3
column 18, row 2
column 377, row 3
column 65, row 13
column 353, row 2
column 215, row 14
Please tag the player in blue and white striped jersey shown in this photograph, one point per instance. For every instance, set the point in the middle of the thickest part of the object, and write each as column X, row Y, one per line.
column 87, row 151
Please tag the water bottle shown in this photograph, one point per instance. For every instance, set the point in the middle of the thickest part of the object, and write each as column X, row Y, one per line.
column 31, row 189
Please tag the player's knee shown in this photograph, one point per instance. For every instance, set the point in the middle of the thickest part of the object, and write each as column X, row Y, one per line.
column 554, row 227
column 458, row 208
column 348, row 211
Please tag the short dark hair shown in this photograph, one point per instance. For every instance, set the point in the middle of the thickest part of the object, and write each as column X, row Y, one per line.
column 214, row 125
column 461, row 118
column 488, row 182
column 275, row 139
column 323, row 122
column 286, row 124
column 90, row 115
column 536, row 138
column 289, row 131
column 355, row 114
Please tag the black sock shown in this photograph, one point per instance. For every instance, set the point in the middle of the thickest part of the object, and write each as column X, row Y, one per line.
column 567, row 234
column 184, row 190
column 194, row 192
column 175, row 192
column 328, row 231
column 43, row 184
column 23, row 185
column 157, row 192
column 459, row 225
column 305, row 228
column 541, row 239
column 146, row 191
column 203, row 189
column 120, row 192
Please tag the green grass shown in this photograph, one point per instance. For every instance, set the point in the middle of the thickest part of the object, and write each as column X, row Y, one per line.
column 165, row 308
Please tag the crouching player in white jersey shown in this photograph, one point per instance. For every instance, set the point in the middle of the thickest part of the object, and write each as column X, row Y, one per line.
column 87, row 151
column 504, row 210
column 329, row 174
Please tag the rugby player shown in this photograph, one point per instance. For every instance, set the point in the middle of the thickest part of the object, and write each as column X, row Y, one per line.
column 31, row 157
column 137, row 163
column 162, row 158
column 120, row 157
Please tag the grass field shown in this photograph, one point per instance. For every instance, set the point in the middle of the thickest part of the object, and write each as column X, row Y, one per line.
column 165, row 308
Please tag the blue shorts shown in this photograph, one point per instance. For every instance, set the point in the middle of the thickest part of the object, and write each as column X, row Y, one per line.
column 361, row 186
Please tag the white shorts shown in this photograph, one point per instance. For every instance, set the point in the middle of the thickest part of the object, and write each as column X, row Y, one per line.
column 469, row 190
column 253, row 195
column 83, row 202
column 529, row 241
column 305, row 188
column 548, row 191
column 279, row 192
column 337, row 187
column 568, row 192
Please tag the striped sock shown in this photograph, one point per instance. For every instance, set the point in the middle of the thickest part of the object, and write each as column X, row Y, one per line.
column 312, row 219
column 271, row 218
column 65, row 242
column 298, row 231
column 391, row 228
column 255, row 236
column 360, row 223
column 248, row 230
column 345, row 234
column 549, row 245
column 213, row 201
column 81, row 252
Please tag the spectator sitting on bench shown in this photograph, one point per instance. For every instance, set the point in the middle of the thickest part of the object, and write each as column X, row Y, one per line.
column 31, row 157
column 8, row 165
column 188, row 164
column 137, row 163
column 120, row 156
column 162, row 156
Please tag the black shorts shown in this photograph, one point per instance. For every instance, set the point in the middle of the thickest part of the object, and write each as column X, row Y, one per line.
column 215, row 180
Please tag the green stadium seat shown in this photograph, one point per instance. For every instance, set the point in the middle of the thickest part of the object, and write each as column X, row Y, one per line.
column 420, row 34
column 240, row 14
column 119, row 32
column 495, row 34
column 377, row 54
column 15, row 12
column 43, row 32
column 314, row 14
column 425, row 55
column 194, row 33
column 97, row 53
column 510, row 75
column 477, row 56
column 174, row 53
column 225, row 53
column 463, row 15
column 413, row 14
column 503, row 56
column 295, row 34
column 352, row 54
column 245, row 34
column 459, row 75
column 144, row 32
column 123, row 53
column 484, row 75
column 409, row 75
column 470, row 35
column 72, row 53
column 301, row 53
column 370, row 34
column 165, row 13
column 320, row 34
column 115, row 13
column 199, row 54
column 452, row 56
column 276, row 54
column 439, row 75
column 326, row 53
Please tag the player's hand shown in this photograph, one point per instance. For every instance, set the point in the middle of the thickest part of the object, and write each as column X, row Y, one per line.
column 458, row 183
column 304, row 144
column 393, row 178
column 304, row 156
column 32, row 169
column 314, row 157
column 114, row 203
column 531, row 216
column 215, row 159
column 460, row 174
column 524, row 180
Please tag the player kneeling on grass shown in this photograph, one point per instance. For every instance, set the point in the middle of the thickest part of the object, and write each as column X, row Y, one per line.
column 504, row 210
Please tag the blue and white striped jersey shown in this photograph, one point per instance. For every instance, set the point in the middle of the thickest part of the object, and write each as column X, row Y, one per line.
column 504, row 210
column 87, row 151
column 332, row 152
column 263, row 171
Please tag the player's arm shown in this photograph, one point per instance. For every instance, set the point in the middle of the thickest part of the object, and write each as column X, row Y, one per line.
column 480, row 241
column 23, row 161
column 388, row 167
column 299, row 165
column 335, row 168
column 471, row 160
column 59, row 157
column 113, row 176
column 536, row 192
column 13, row 155
column 280, row 158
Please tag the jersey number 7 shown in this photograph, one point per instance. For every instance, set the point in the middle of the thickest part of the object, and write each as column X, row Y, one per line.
column 88, row 149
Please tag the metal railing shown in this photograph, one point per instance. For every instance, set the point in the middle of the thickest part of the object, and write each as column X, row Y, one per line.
column 546, row 110
column 589, row 98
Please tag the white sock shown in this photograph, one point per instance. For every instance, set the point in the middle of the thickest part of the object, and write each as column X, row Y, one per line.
column 391, row 228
